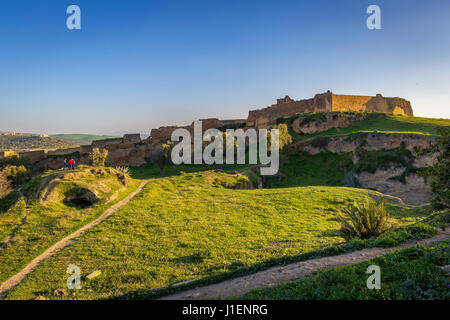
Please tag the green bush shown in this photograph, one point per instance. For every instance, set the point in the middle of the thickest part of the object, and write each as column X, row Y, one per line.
column 14, row 160
column 98, row 158
column 284, row 137
column 413, row 232
column 370, row 161
column 16, row 174
column 164, row 156
column 5, row 185
column 440, row 172
column 365, row 220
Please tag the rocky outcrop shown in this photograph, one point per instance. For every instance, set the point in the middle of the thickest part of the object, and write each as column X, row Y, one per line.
column 400, row 179
column 327, row 102
column 327, row 121
column 370, row 142
column 414, row 190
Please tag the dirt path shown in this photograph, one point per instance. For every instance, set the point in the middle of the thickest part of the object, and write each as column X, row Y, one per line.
column 17, row 278
column 291, row 272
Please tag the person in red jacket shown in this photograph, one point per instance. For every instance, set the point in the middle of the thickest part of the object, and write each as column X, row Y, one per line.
column 71, row 164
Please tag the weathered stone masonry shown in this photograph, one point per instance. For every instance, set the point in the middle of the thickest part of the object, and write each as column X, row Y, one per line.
column 327, row 102
column 132, row 151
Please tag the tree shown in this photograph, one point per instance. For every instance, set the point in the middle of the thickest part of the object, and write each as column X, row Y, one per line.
column 440, row 172
column 284, row 137
column 98, row 158
column 163, row 158
column 15, row 160
column 16, row 174
column 5, row 185
column 228, row 141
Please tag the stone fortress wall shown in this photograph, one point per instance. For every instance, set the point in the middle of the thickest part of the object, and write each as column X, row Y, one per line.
column 131, row 150
column 327, row 102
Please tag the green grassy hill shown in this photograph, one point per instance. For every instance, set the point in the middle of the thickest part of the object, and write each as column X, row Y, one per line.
column 49, row 215
column 181, row 228
column 190, row 223
column 82, row 139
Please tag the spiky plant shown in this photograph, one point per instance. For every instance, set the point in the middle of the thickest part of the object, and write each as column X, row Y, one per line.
column 365, row 220
column 125, row 170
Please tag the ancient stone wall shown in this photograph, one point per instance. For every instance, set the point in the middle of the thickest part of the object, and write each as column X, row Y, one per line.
column 371, row 104
column 327, row 102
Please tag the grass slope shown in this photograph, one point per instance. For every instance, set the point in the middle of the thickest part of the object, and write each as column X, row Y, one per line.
column 50, row 221
column 186, row 227
column 411, row 273
column 385, row 124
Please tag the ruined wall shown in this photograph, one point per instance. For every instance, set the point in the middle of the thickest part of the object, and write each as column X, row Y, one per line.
column 326, row 102
column 163, row 133
column 371, row 104
column 286, row 107
column 127, row 151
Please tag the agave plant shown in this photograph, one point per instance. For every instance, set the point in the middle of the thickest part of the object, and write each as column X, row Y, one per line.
column 365, row 220
column 125, row 170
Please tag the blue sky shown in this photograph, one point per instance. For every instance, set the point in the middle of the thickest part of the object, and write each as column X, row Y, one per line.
column 137, row 65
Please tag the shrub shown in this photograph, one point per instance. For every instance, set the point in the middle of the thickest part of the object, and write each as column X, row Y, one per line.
column 164, row 156
column 440, row 172
column 16, row 174
column 98, row 158
column 284, row 137
column 14, row 160
column 124, row 170
column 365, row 220
column 5, row 185
column 320, row 142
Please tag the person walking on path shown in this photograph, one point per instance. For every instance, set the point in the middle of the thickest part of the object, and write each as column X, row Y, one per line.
column 65, row 163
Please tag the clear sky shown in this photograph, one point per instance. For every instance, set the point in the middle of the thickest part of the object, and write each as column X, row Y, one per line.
column 137, row 65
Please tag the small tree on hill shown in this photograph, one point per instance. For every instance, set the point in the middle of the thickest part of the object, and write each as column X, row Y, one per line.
column 98, row 158
column 164, row 157
column 16, row 174
column 284, row 137
column 440, row 172
column 5, row 185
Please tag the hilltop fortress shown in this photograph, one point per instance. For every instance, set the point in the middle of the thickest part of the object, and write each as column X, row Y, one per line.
column 131, row 150
column 327, row 102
